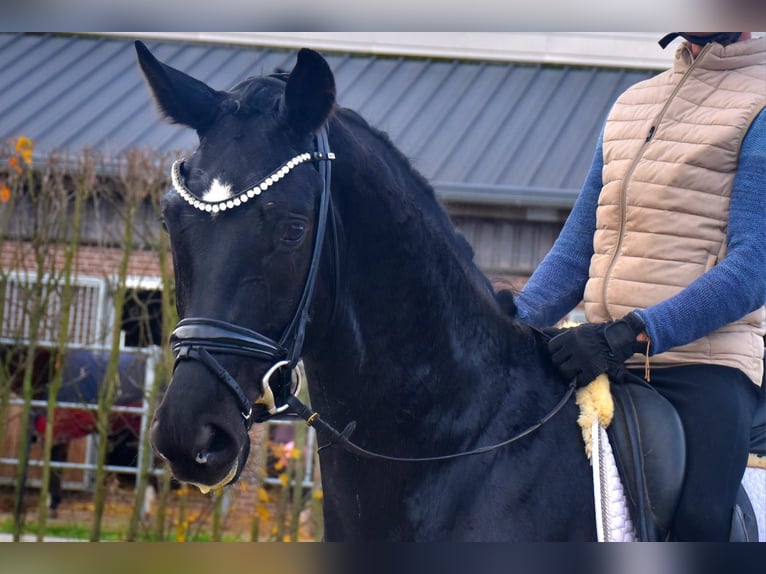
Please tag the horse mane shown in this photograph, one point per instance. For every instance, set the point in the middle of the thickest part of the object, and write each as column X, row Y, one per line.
column 418, row 213
column 411, row 179
column 382, row 137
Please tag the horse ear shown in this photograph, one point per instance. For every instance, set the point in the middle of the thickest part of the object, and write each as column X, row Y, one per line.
column 310, row 92
column 181, row 98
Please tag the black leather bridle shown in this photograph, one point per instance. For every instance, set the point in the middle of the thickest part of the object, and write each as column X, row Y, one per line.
column 201, row 339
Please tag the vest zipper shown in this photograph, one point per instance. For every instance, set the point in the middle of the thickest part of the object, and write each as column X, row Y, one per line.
column 629, row 175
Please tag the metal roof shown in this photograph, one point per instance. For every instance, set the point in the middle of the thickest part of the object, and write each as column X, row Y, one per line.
column 482, row 132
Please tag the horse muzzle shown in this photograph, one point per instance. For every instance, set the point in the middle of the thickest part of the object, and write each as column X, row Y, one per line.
column 196, row 429
column 204, row 454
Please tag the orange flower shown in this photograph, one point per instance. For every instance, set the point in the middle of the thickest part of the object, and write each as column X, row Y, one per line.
column 13, row 163
column 5, row 193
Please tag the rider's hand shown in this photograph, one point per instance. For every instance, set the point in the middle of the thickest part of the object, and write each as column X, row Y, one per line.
column 586, row 351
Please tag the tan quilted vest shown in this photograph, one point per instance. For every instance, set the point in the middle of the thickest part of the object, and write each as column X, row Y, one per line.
column 671, row 145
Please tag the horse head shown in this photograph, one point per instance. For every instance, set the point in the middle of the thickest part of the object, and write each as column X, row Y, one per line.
column 244, row 219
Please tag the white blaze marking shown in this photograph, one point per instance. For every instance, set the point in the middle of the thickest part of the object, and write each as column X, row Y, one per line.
column 218, row 191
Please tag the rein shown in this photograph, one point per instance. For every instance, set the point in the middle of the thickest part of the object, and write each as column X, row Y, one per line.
column 313, row 419
column 341, row 438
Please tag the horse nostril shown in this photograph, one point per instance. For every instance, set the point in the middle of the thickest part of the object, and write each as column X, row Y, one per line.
column 213, row 446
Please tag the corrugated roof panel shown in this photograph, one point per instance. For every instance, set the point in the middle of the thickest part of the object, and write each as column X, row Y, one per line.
column 422, row 137
column 529, row 136
column 364, row 96
column 446, row 112
column 99, row 111
column 347, row 73
column 455, row 126
column 537, row 163
column 398, row 94
column 7, row 41
column 26, row 84
column 473, row 131
column 487, row 128
column 61, row 94
column 20, row 58
column 511, row 134
column 415, row 114
column 407, row 94
column 491, row 138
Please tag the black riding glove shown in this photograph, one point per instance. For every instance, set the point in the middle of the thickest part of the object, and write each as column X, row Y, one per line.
column 586, row 351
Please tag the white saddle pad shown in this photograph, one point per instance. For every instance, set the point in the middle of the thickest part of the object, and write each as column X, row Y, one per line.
column 754, row 482
column 613, row 523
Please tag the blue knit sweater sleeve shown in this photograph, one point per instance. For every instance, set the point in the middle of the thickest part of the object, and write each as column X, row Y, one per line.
column 737, row 284
column 558, row 282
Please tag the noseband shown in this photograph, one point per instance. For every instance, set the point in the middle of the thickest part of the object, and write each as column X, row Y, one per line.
column 200, row 338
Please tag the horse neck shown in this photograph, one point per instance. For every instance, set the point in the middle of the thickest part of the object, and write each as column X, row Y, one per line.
column 415, row 317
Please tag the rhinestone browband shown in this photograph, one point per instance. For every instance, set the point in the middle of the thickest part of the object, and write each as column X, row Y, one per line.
column 263, row 185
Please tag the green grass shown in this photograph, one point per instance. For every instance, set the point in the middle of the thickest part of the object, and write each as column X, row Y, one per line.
column 82, row 532
column 74, row 531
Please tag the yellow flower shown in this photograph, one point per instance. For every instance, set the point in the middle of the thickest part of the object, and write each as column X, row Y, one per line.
column 24, row 148
column 263, row 513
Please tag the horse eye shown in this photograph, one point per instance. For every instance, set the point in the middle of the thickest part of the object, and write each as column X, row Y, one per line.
column 293, row 231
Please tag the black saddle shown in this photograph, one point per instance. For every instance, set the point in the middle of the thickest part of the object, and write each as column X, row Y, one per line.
column 650, row 451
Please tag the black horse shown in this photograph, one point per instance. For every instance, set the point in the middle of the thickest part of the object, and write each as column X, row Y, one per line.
column 361, row 274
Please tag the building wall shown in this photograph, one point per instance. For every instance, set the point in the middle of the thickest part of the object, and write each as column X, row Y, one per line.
column 98, row 262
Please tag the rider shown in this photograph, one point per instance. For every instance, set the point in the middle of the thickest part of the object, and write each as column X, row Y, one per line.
column 666, row 246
